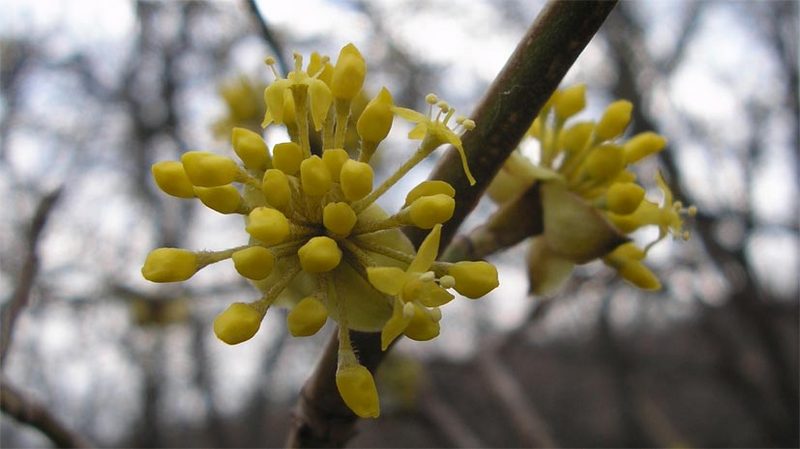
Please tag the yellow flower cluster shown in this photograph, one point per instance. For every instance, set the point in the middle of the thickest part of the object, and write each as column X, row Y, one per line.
column 318, row 242
column 590, row 198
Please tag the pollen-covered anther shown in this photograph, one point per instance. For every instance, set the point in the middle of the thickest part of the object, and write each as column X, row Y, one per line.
column 474, row 279
column 275, row 186
column 315, row 176
column 319, row 255
column 171, row 178
column 250, row 148
column 287, row 156
column 169, row 265
column 307, row 317
column 356, row 180
column 223, row 199
column 206, row 169
column 238, row 323
column 428, row 211
column 431, row 99
column 268, row 225
column 339, row 218
column 447, row 281
column 254, row 263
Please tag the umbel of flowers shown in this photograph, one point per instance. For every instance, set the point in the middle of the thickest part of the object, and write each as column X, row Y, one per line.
column 591, row 200
column 319, row 244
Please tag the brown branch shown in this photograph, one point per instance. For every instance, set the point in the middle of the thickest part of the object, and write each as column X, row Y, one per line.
column 521, row 413
column 30, row 266
column 269, row 36
column 27, row 411
column 549, row 48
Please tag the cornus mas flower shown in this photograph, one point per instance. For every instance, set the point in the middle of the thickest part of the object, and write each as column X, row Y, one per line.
column 590, row 198
column 318, row 242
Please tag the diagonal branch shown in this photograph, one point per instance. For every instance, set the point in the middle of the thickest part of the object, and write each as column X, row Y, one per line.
column 549, row 48
column 30, row 266
column 27, row 411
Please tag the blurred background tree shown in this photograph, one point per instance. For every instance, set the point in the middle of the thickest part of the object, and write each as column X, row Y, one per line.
column 94, row 93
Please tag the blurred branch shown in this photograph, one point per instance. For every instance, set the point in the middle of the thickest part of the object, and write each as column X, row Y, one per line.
column 269, row 37
column 30, row 266
column 27, row 411
column 523, row 415
column 542, row 58
column 447, row 420
column 747, row 299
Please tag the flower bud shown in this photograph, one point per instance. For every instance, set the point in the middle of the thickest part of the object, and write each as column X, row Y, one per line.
column 614, row 121
column 604, row 162
column 349, row 73
column 307, row 317
column 570, row 101
column 334, row 158
column 339, row 218
column 169, row 265
column 287, row 157
column 267, row 225
column 624, row 198
column 275, row 186
column 428, row 188
column 357, row 388
column 238, row 323
column 250, row 148
column 315, row 177
column 223, row 199
column 642, row 145
column 254, row 263
column 474, row 279
column 356, row 180
column 376, row 120
column 171, row 178
column 206, row 169
column 428, row 211
column 319, row 254
column 575, row 138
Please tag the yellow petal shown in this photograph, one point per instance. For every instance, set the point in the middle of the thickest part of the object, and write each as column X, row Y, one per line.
column 389, row 280
column 395, row 326
column 428, row 251
column 410, row 115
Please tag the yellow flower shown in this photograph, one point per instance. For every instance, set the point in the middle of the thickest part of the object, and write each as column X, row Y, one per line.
column 590, row 200
column 318, row 242
column 434, row 130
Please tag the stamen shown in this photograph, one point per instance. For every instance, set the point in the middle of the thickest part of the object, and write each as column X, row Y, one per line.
column 270, row 62
column 298, row 62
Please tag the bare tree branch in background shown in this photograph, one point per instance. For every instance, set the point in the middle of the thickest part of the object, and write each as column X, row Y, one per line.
column 30, row 267
column 748, row 299
column 28, row 411
column 269, row 36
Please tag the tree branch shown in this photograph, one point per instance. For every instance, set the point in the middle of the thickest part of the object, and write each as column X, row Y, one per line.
column 549, row 48
column 27, row 411
column 30, row 266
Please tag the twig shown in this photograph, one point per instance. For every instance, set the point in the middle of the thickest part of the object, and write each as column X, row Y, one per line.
column 27, row 411
column 266, row 33
column 542, row 58
column 446, row 419
column 21, row 295
column 526, row 419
